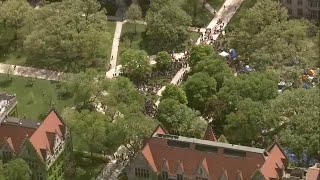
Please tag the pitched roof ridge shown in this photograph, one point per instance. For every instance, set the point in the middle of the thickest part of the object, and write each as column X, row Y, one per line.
column 255, row 171
column 9, row 141
column 159, row 127
column 209, row 134
column 205, row 164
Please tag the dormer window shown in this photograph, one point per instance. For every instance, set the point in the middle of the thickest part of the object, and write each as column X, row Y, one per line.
column 201, row 178
column 179, row 177
column 165, row 175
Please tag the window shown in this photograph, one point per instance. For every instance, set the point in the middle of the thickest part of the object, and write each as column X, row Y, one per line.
column 178, row 144
column 206, row 148
column 179, row 177
column 6, row 155
column 288, row 1
column 300, row 12
column 164, row 175
column 299, row 2
column 39, row 176
column 201, row 178
column 289, row 11
column 33, row 164
column 139, row 172
column 231, row 152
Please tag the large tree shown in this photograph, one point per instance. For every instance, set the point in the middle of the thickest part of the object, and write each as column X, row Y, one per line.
column 85, row 87
column 130, row 131
column 15, row 14
column 89, row 127
column 17, row 169
column 135, row 63
column 257, row 86
column 244, row 126
column 199, row 88
column 216, row 68
column 2, row 176
column 199, row 53
column 134, row 14
column 174, row 92
column 295, row 119
column 72, row 31
column 180, row 119
column 167, row 26
column 164, row 61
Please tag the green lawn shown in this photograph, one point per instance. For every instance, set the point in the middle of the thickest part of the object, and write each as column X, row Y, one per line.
column 235, row 20
column 216, row 4
column 86, row 168
column 34, row 102
column 200, row 18
column 130, row 39
column 53, row 64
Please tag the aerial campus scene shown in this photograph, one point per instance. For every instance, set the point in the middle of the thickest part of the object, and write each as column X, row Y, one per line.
column 159, row 90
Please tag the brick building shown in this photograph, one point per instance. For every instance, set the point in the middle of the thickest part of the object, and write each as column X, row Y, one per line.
column 166, row 156
column 44, row 145
column 309, row 9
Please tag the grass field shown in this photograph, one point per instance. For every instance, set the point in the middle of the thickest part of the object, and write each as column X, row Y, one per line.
column 34, row 101
column 235, row 20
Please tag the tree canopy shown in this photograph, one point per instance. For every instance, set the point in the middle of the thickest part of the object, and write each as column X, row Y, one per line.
column 174, row 92
column 180, row 119
column 135, row 63
column 257, row 86
column 17, row 169
column 72, row 31
column 167, row 26
column 295, row 118
column 199, row 88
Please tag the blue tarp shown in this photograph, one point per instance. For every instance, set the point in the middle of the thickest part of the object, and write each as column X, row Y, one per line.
column 233, row 54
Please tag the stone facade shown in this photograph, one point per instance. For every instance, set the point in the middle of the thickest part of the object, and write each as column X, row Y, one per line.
column 309, row 9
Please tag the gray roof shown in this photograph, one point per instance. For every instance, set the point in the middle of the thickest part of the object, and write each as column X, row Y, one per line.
column 21, row 122
column 212, row 143
column 7, row 102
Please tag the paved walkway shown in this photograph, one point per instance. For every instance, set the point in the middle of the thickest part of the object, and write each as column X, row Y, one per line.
column 113, row 169
column 31, row 72
column 225, row 14
column 115, row 44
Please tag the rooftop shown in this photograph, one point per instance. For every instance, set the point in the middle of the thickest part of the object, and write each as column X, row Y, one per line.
column 7, row 102
column 210, row 143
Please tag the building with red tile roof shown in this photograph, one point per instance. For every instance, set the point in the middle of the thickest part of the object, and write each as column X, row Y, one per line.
column 209, row 134
column 313, row 172
column 45, row 145
column 168, row 156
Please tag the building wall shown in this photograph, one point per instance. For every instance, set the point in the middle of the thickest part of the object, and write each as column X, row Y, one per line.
column 309, row 9
column 6, row 153
column 141, row 163
column 37, row 166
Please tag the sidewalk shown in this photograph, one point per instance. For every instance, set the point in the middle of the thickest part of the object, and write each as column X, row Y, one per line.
column 32, row 72
column 113, row 169
column 225, row 14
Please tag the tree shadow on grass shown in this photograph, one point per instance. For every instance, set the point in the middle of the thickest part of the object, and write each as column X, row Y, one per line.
column 5, row 83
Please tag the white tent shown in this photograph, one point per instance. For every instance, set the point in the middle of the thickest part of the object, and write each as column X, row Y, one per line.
column 224, row 54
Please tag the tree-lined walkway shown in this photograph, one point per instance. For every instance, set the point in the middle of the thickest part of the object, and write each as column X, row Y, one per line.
column 32, row 72
column 225, row 13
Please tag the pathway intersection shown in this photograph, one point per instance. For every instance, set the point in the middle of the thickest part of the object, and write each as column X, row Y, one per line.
column 113, row 169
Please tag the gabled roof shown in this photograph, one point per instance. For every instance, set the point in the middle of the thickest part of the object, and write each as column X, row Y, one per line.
column 191, row 158
column 41, row 139
column 313, row 172
column 159, row 130
column 219, row 159
column 209, row 134
column 17, row 132
column 275, row 161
